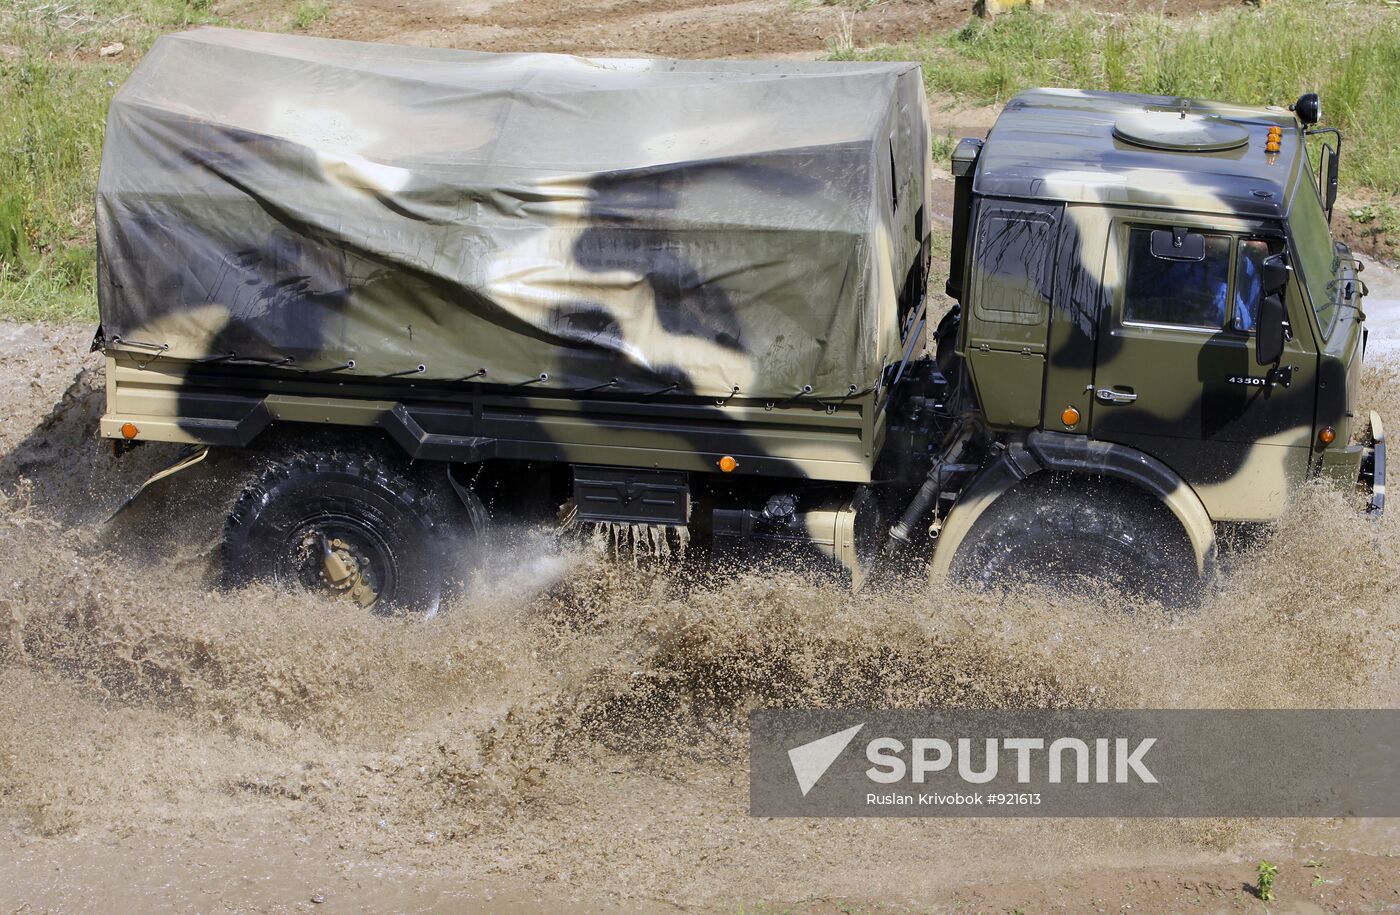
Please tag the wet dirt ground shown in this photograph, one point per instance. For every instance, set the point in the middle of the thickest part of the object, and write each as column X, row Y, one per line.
column 649, row 28
column 572, row 737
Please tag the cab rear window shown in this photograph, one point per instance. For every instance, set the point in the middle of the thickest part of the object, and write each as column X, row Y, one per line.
column 1173, row 291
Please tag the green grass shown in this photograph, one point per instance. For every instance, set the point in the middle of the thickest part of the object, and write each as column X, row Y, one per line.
column 310, row 12
column 54, row 92
column 941, row 147
column 51, row 117
column 1267, row 874
column 63, row 29
column 1383, row 216
column 53, row 104
column 1347, row 50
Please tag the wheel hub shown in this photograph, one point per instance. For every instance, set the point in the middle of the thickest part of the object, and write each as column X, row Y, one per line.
column 347, row 571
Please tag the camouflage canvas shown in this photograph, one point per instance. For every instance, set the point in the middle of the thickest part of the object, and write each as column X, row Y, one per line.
column 699, row 227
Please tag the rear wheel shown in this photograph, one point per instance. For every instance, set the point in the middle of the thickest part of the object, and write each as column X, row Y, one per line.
column 350, row 525
column 1068, row 533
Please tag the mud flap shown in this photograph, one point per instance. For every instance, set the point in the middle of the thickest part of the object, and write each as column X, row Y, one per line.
column 188, row 457
column 476, row 512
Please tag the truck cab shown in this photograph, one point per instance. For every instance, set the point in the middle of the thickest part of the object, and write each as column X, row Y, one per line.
column 1152, row 280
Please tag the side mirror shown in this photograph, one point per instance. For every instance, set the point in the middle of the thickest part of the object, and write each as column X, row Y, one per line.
column 1178, row 245
column 1275, row 278
column 1328, row 177
column 1268, row 335
column 1268, row 338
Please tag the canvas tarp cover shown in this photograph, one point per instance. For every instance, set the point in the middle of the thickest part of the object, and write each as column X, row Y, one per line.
column 691, row 226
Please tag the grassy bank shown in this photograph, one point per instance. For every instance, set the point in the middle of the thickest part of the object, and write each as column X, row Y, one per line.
column 60, row 64
column 50, row 140
column 1348, row 50
column 55, row 83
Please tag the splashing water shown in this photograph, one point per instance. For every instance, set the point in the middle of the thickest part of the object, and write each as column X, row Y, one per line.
column 536, row 728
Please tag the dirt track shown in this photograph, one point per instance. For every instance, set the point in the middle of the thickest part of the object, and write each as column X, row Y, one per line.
column 649, row 28
column 572, row 738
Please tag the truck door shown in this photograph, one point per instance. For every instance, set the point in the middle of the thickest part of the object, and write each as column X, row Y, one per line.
column 1010, row 288
column 1175, row 374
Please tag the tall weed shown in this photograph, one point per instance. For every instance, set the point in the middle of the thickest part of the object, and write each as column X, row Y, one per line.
column 1348, row 50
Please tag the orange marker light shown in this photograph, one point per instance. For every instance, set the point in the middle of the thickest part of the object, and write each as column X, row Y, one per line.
column 1327, row 436
column 1070, row 417
column 727, row 464
column 129, row 430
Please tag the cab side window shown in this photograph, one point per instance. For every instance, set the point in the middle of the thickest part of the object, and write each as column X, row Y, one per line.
column 1172, row 290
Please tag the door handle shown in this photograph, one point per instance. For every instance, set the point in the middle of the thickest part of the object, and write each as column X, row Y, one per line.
column 1108, row 395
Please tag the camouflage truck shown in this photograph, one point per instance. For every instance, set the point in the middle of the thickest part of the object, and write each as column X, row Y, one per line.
column 432, row 290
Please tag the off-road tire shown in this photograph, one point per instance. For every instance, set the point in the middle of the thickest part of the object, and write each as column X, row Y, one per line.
column 1062, row 532
column 386, row 507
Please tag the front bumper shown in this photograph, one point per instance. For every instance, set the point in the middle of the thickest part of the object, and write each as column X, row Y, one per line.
column 1362, row 466
column 1373, row 465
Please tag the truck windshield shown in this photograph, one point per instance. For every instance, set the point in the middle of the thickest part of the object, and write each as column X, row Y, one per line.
column 1317, row 256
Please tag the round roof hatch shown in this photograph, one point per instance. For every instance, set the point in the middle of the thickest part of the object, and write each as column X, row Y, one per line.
column 1177, row 132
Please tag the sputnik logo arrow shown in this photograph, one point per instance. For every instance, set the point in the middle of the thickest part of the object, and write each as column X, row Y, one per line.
column 811, row 760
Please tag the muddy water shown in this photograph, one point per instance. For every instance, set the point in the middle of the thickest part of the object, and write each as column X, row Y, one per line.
column 572, row 735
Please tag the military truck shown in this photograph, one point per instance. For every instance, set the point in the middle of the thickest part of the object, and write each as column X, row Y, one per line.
column 432, row 290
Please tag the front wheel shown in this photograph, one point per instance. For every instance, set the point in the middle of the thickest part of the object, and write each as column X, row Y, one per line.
column 1068, row 533
column 349, row 525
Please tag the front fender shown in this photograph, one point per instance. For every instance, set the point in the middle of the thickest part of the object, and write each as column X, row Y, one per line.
column 1053, row 451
